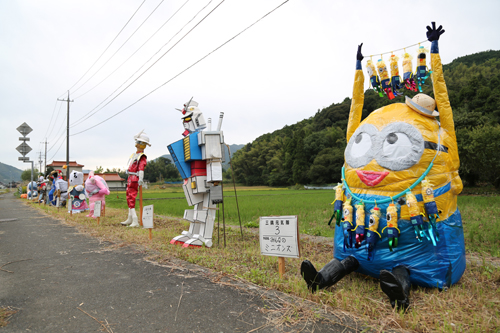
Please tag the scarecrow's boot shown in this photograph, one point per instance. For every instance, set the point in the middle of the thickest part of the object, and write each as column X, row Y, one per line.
column 330, row 274
column 129, row 218
column 135, row 222
column 396, row 285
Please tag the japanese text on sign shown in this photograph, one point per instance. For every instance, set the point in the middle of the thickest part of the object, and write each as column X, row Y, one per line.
column 279, row 236
column 147, row 217
column 97, row 209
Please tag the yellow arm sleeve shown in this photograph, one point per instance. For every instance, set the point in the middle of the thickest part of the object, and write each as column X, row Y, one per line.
column 443, row 105
column 358, row 97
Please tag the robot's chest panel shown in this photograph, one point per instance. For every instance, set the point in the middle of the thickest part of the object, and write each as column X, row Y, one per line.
column 192, row 150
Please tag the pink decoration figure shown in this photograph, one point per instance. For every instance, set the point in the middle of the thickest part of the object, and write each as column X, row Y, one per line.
column 96, row 190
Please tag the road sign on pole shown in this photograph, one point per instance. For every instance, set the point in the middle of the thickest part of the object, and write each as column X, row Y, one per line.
column 24, row 129
column 23, row 158
column 23, row 148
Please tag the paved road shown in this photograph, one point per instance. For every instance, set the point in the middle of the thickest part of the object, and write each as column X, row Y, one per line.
column 54, row 273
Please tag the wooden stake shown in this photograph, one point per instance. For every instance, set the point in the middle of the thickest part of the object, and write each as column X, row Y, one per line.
column 140, row 202
column 281, row 266
column 150, row 234
column 98, row 220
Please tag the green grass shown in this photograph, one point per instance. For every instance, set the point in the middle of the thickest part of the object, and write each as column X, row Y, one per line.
column 480, row 215
column 469, row 306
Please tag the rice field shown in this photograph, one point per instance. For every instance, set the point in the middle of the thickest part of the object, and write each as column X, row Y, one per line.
column 480, row 214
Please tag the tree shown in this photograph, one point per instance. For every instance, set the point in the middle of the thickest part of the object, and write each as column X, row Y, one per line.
column 99, row 169
column 26, row 175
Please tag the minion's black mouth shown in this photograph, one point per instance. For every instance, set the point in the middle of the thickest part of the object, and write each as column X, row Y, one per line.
column 435, row 146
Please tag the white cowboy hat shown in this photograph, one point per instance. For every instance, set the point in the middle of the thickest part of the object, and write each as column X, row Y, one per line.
column 423, row 104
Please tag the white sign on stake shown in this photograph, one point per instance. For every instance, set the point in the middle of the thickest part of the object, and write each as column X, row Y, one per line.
column 279, row 236
column 97, row 209
column 147, row 217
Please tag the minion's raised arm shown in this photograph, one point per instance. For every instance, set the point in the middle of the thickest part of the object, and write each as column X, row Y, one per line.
column 440, row 91
column 358, row 96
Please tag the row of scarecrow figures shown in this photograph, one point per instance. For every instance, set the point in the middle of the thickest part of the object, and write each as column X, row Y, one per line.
column 56, row 191
column 396, row 209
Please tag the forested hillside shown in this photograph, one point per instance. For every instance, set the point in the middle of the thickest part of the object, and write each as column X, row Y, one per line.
column 312, row 150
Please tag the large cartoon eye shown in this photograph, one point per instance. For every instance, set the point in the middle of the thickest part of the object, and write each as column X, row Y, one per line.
column 371, row 222
column 402, row 146
column 359, row 150
column 362, row 143
column 346, row 212
column 388, row 216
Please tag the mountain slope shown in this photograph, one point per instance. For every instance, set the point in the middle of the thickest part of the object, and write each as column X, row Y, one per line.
column 9, row 173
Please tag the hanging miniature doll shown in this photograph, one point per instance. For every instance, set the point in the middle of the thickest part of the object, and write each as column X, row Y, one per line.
column 430, row 209
column 96, row 189
column 415, row 216
column 421, row 72
column 360, row 224
column 395, row 78
column 347, row 225
column 337, row 205
column 408, row 79
column 384, row 79
column 375, row 81
column 392, row 226
column 77, row 193
column 372, row 233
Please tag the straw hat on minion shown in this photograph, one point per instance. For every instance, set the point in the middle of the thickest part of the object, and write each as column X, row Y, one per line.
column 423, row 104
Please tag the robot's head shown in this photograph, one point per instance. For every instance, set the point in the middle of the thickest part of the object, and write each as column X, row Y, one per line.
column 192, row 118
column 141, row 140
column 394, row 146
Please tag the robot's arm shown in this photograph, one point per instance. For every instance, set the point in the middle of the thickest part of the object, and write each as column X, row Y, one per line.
column 358, row 97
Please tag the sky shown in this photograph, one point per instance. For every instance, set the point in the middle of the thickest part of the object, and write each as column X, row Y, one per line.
column 136, row 61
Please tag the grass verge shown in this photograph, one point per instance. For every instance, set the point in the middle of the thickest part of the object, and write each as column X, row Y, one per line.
column 472, row 305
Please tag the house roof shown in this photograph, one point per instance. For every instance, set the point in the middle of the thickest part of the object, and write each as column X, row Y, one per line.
column 61, row 163
column 109, row 177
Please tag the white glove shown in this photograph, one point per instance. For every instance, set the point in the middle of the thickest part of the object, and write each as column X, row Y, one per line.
column 141, row 178
column 79, row 188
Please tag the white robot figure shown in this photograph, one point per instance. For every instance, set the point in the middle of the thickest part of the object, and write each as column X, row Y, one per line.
column 198, row 157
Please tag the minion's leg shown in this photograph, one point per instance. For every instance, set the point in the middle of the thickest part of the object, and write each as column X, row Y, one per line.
column 330, row 274
column 396, row 285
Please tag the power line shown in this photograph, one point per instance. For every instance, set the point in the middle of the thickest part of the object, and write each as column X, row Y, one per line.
column 140, row 47
column 90, row 114
column 57, row 150
column 108, row 46
column 152, row 91
column 50, row 122
column 119, row 47
column 55, row 120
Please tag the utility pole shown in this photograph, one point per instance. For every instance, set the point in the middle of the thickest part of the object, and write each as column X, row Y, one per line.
column 67, row 138
column 45, row 166
column 40, row 162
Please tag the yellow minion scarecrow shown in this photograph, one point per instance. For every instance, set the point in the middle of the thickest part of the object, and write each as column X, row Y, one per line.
column 388, row 155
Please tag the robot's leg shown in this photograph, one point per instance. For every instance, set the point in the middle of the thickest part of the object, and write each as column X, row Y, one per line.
column 204, row 224
column 194, row 190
